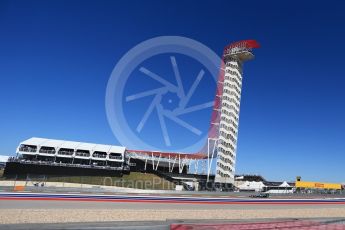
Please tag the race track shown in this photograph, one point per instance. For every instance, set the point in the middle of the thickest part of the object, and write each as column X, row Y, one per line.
column 19, row 208
column 165, row 199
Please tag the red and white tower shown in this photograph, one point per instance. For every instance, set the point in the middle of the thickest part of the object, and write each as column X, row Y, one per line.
column 223, row 133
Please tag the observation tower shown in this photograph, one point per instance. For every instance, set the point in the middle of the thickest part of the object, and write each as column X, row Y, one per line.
column 223, row 133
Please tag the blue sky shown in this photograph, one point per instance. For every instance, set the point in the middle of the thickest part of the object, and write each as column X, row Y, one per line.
column 56, row 58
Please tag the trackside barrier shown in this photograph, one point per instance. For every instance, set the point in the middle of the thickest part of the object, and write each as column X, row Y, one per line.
column 18, row 188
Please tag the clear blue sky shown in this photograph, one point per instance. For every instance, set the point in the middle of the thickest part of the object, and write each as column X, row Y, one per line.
column 56, row 58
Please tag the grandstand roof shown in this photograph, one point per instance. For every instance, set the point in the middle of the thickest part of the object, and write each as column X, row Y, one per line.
column 73, row 145
column 105, row 148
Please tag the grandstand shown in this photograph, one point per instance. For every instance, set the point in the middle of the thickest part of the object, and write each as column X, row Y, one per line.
column 48, row 156
column 69, row 158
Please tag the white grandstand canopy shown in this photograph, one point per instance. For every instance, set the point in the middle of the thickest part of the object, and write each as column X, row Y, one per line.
column 73, row 145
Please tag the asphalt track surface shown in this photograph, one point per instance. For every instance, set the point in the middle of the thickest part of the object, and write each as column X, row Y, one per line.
column 57, row 201
column 144, row 200
column 66, row 204
column 131, row 201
